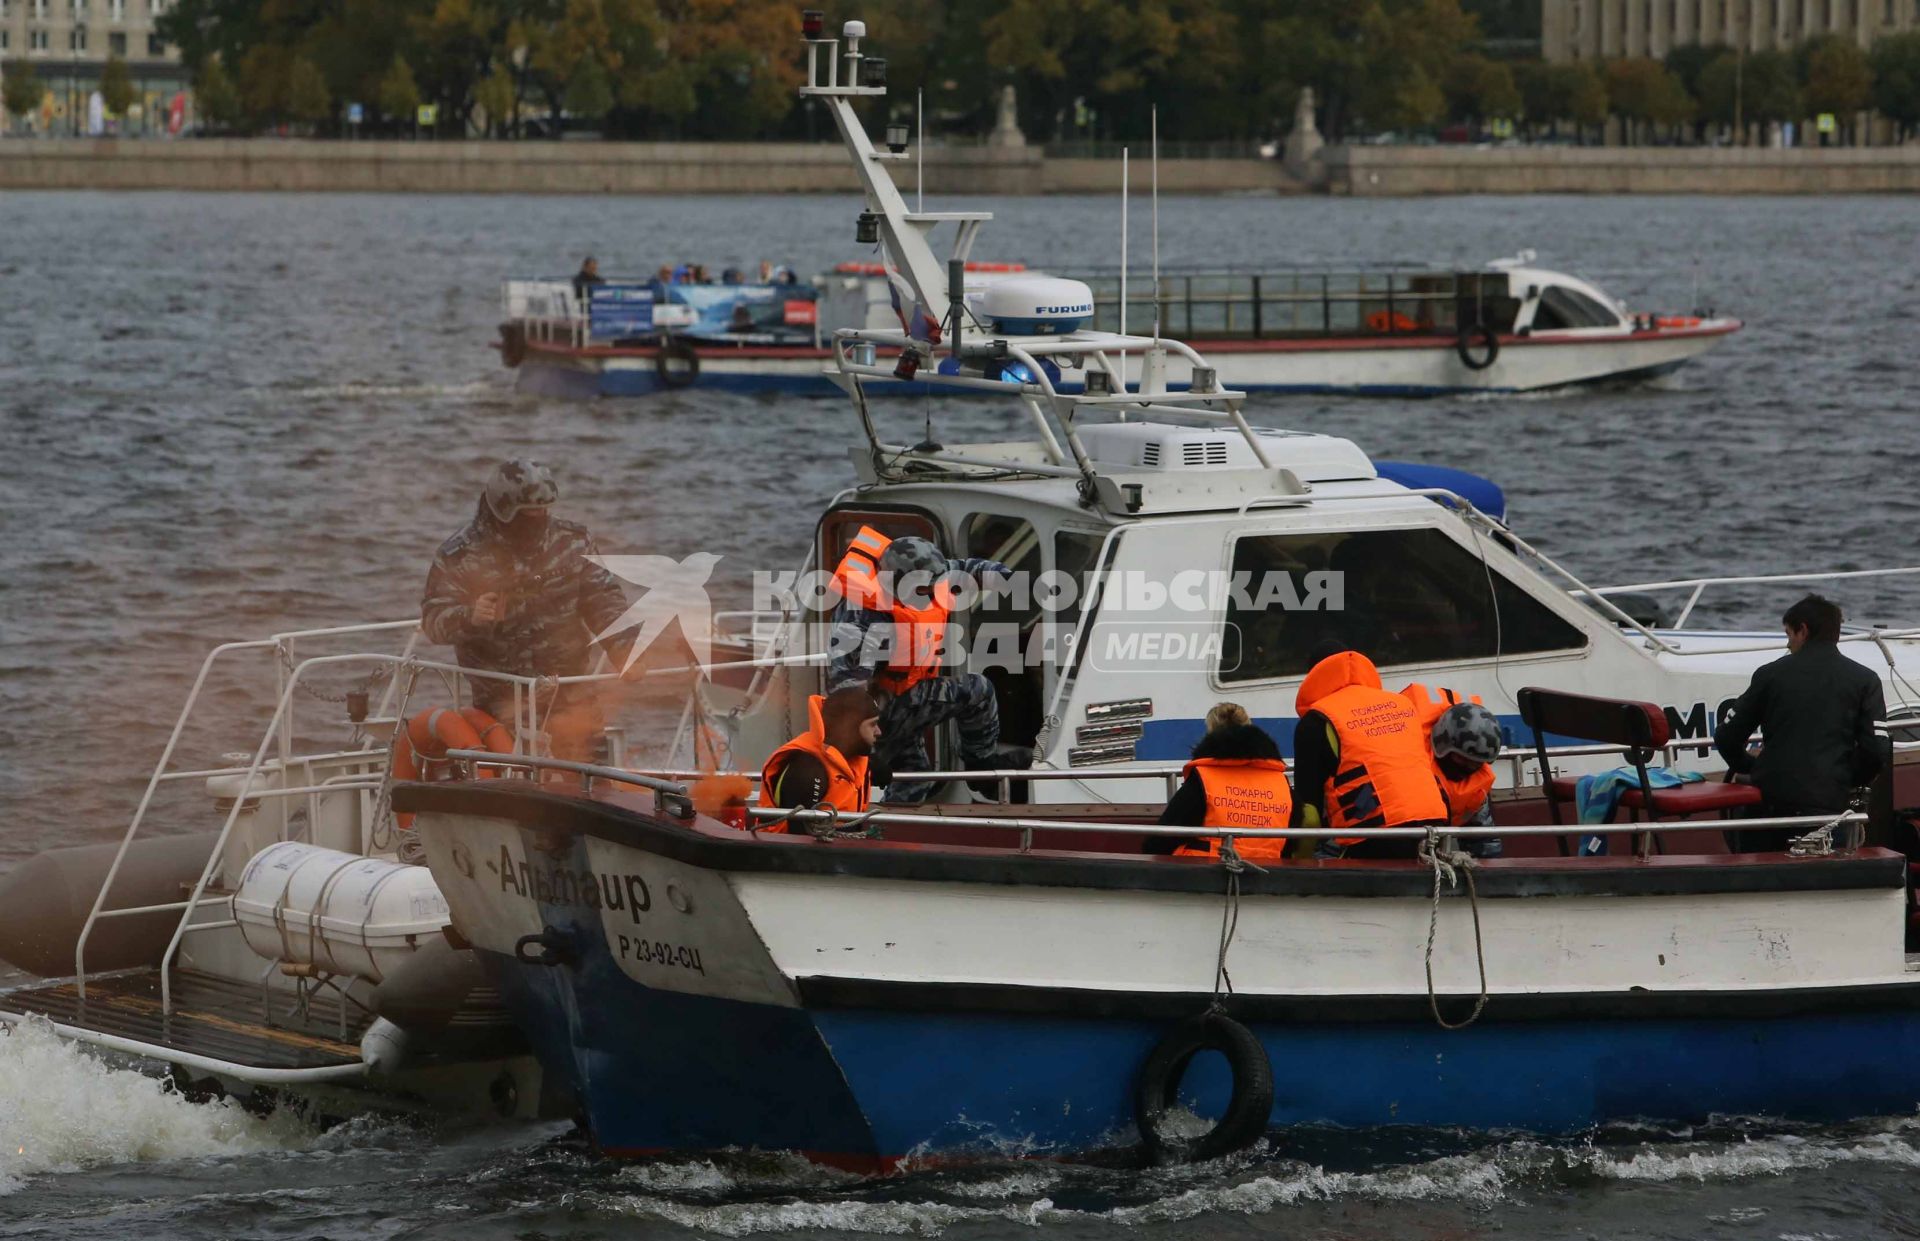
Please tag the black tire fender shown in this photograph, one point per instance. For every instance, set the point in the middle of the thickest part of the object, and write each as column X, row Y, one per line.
column 676, row 365
column 1157, row 1090
column 513, row 344
column 1477, row 336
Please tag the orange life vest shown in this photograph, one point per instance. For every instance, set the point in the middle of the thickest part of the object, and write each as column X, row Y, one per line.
column 1243, row 792
column 1383, row 776
column 919, row 633
column 1464, row 795
column 1381, row 321
column 846, row 777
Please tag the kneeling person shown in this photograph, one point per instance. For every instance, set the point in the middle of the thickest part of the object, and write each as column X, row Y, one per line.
column 827, row 763
column 889, row 633
column 1236, row 779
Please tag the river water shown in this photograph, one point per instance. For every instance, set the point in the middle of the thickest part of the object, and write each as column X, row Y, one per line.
column 227, row 416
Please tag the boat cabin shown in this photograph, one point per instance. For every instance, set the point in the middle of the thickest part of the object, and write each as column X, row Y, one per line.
column 1506, row 297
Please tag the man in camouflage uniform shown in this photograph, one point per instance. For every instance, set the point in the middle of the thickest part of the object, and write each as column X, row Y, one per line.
column 514, row 592
column 862, row 640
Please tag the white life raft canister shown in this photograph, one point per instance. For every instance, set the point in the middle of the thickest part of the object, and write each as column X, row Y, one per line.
column 338, row 912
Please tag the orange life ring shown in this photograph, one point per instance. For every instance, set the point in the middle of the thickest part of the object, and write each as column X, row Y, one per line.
column 434, row 731
column 1381, row 321
column 1676, row 321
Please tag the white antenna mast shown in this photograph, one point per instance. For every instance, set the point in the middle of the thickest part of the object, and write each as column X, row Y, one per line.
column 1156, row 226
column 920, row 150
column 1123, row 241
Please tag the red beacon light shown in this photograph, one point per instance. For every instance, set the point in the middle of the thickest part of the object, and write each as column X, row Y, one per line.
column 813, row 23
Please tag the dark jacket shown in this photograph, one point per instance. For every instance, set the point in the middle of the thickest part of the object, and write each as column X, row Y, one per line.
column 555, row 600
column 1817, row 709
column 1188, row 806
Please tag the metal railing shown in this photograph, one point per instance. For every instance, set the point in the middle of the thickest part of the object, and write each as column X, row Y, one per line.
column 1698, row 586
column 1026, row 827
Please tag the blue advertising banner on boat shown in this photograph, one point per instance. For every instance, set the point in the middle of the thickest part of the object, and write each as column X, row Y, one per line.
column 617, row 310
column 756, row 310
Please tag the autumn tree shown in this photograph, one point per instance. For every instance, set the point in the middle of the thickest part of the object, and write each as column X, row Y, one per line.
column 1643, row 92
column 1836, row 78
column 116, row 86
column 1118, row 59
column 398, row 96
column 264, row 74
column 454, row 45
column 23, row 91
column 1770, row 90
column 1895, row 61
column 308, row 99
column 589, row 94
column 1480, row 90
column 496, row 96
column 1687, row 61
column 215, row 98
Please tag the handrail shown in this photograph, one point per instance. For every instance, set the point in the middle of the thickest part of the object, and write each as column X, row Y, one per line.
column 907, row 819
column 487, row 758
column 146, row 799
column 203, row 1064
column 1700, row 584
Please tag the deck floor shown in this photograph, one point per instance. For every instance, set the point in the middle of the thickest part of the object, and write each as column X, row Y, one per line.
column 211, row 1017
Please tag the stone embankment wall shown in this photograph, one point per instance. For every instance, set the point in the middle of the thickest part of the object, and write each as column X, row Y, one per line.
column 295, row 165
column 1364, row 171
column 573, row 167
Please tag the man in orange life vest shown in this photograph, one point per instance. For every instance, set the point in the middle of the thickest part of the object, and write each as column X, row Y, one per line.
column 890, row 633
column 1361, row 760
column 1236, row 779
column 827, row 763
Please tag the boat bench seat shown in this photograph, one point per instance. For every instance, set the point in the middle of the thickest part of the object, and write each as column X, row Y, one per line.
column 1685, row 801
column 1640, row 728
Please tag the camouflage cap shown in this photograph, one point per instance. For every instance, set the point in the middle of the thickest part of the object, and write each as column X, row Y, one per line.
column 520, row 484
column 913, row 555
column 1468, row 730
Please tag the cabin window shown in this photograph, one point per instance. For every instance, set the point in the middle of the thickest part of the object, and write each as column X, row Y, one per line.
column 1561, row 307
column 838, row 527
column 1397, row 596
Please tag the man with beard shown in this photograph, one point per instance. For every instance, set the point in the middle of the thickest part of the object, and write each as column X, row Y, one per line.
column 515, row 592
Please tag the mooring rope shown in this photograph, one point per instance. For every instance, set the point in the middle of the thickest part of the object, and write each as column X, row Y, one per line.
column 1450, row 864
column 1817, row 842
column 823, row 828
column 1235, row 866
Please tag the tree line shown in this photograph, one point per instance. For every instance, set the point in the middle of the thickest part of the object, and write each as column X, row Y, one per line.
column 1082, row 69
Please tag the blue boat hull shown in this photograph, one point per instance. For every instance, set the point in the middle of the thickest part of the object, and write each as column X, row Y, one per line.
column 864, row 1087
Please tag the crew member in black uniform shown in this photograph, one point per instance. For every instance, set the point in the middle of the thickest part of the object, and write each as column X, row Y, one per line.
column 1816, row 711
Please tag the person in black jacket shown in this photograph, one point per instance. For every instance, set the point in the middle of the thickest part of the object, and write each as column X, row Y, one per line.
column 587, row 277
column 1816, row 711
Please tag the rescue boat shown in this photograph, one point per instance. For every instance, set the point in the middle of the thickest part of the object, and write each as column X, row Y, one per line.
column 957, row 979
